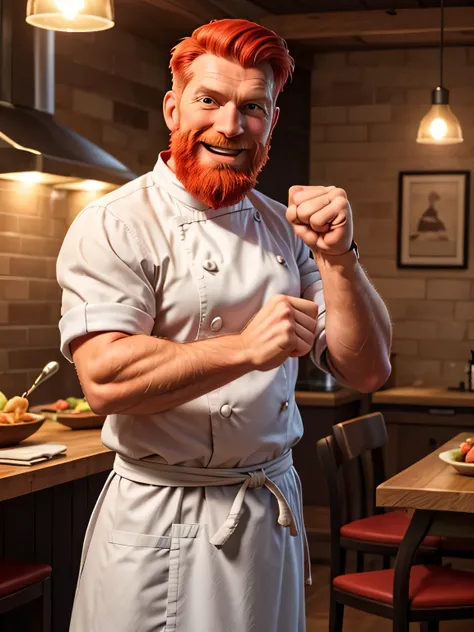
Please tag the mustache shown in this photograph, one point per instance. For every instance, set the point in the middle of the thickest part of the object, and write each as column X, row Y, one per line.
column 219, row 141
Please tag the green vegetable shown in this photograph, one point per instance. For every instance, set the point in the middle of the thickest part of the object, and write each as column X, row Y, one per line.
column 82, row 407
column 3, row 400
column 457, row 456
column 72, row 401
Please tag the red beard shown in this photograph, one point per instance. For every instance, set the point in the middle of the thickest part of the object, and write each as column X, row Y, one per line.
column 217, row 186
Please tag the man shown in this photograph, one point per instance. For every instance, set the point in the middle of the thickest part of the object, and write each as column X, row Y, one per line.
column 187, row 299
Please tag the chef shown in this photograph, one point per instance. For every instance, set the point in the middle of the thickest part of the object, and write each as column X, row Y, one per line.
column 188, row 297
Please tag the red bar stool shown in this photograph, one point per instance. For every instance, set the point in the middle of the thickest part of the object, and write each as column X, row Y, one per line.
column 22, row 583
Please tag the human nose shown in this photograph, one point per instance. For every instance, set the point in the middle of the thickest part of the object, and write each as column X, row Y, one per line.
column 229, row 121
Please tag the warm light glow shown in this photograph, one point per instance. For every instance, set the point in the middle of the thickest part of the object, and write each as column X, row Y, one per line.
column 439, row 127
column 70, row 8
column 86, row 185
column 34, row 177
column 71, row 16
column 30, row 177
column 93, row 185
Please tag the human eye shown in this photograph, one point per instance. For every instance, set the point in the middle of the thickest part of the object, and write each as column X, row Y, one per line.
column 207, row 101
column 255, row 109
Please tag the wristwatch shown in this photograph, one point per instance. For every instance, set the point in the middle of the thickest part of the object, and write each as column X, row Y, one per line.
column 354, row 247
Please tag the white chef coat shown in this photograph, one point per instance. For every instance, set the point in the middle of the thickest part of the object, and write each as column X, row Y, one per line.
column 151, row 259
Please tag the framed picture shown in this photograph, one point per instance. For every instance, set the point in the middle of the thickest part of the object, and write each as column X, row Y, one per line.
column 433, row 219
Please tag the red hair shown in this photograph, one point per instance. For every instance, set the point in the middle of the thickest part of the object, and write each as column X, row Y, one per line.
column 245, row 42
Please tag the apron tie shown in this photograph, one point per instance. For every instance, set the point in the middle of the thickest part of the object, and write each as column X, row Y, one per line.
column 150, row 472
column 254, row 480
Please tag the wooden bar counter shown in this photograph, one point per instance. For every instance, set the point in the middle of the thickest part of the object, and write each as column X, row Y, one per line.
column 45, row 510
column 85, row 456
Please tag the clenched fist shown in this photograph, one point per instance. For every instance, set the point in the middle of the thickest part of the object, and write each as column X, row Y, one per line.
column 285, row 326
column 321, row 217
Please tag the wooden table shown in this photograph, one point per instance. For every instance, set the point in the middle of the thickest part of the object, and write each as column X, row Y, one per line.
column 434, row 488
column 85, row 455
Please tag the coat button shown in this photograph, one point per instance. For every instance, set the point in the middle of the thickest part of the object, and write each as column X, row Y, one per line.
column 216, row 323
column 257, row 217
column 285, row 405
column 281, row 259
column 226, row 410
column 210, row 266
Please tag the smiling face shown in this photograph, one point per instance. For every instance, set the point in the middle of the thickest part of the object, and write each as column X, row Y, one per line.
column 221, row 124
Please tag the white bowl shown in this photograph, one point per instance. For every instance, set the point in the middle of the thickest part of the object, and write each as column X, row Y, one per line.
column 463, row 468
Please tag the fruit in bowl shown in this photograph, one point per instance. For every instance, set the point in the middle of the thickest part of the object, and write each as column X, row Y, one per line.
column 72, row 405
column 73, row 412
column 465, row 452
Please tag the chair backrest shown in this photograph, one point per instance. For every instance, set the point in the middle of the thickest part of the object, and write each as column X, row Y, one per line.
column 331, row 461
column 361, row 442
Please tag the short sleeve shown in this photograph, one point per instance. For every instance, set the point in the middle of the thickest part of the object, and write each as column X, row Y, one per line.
column 106, row 278
column 312, row 290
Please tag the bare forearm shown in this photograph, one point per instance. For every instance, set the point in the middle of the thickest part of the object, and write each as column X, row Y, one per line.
column 358, row 328
column 143, row 375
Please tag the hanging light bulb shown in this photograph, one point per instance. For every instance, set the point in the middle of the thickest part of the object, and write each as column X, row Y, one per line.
column 71, row 15
column 440, row 126
column 70, row 8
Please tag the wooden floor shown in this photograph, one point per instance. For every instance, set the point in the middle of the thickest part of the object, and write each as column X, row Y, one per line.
column 317, row 604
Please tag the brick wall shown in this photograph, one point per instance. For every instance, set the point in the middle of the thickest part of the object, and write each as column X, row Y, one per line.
column 366, row 107
column 109, row 88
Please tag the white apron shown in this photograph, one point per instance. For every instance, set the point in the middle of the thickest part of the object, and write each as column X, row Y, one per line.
column 177, row 559
column 150, row 259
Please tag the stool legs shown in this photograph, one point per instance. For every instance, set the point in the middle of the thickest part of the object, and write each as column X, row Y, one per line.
column 42, row 609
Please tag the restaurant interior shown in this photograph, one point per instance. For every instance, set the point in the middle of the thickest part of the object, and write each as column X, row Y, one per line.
column 381, row 103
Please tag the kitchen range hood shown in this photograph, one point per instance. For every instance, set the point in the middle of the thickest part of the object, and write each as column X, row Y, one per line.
column 33, row 146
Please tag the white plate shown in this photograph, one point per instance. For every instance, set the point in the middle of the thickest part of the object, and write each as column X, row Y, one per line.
column 463, row 468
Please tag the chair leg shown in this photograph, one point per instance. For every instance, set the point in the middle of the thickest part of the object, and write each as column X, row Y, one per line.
column 359, row 562
column 386, row 562
column 336, row 614
column 429, row 626
column 47, row 605
column 42, row 610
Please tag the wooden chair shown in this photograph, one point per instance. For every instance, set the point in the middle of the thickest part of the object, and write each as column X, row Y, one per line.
column 352, row 476
column 424, row 593
column 22, row 583
column 361, row 442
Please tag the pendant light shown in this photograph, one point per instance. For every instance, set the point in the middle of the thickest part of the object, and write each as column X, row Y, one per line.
column 440, row 126
column 71, row 15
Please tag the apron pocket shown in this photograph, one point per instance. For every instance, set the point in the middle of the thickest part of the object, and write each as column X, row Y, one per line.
column 133, row 572
column 126, row 538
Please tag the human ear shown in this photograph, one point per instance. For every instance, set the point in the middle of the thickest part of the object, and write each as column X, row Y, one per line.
column 276, row 115
column 170, row 110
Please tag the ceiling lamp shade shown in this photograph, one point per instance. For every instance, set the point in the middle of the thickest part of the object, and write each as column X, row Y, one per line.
column 440, row 126
column 78, row 16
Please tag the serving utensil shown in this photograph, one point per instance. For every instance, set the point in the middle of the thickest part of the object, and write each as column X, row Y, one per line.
column 49, row 370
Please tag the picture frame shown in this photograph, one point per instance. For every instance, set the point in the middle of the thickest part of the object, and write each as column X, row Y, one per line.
column 433, row 219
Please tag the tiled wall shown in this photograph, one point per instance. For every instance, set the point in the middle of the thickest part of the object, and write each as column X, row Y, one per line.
column 366, row 107
column 109, row 88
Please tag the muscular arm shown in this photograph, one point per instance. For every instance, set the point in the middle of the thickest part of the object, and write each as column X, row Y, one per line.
column 143, row 375
column 358, row 327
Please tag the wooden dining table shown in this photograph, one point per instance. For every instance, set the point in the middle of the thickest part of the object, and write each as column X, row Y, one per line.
column 441, row 499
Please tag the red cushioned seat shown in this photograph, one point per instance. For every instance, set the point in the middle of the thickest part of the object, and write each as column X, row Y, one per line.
column 17, row 575
column 430, row 586
column 387, row 528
